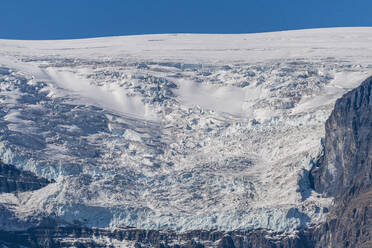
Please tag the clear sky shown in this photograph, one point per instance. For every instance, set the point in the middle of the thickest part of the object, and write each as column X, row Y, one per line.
column 66, row 19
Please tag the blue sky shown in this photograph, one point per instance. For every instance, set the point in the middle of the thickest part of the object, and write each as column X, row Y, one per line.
column 55, row 19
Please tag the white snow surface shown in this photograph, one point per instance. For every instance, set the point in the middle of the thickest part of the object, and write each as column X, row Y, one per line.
column 179, row 131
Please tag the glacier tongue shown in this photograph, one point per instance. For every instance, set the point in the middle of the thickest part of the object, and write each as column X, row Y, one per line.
column 158, row 137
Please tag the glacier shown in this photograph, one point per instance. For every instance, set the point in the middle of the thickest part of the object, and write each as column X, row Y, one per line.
column 174, row 131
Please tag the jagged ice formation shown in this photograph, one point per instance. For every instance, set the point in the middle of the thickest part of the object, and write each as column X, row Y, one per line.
column 174, row 131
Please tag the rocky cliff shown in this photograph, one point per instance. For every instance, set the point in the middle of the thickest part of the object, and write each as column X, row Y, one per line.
column 76, row 236
column 345, row 171
column 14, row 180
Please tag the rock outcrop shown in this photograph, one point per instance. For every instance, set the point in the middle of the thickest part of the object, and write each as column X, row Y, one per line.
column 345, row 171
column 76, row 236
column 14, row 180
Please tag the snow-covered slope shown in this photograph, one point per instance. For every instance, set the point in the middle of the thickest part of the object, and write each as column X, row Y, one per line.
column 174, row 131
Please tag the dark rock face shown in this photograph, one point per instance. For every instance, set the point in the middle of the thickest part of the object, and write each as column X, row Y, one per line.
column 347, row 159
column 75, row 236
column 345, row 171
column 348, row 225
column 14, row 180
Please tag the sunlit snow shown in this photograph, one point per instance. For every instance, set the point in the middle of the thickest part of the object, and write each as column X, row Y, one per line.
column 174, row 131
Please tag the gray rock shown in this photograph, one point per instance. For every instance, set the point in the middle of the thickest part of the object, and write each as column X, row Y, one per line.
column 14, row 180
column 345, row 171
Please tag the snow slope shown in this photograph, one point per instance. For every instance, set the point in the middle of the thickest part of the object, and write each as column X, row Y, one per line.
column 176, row 131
